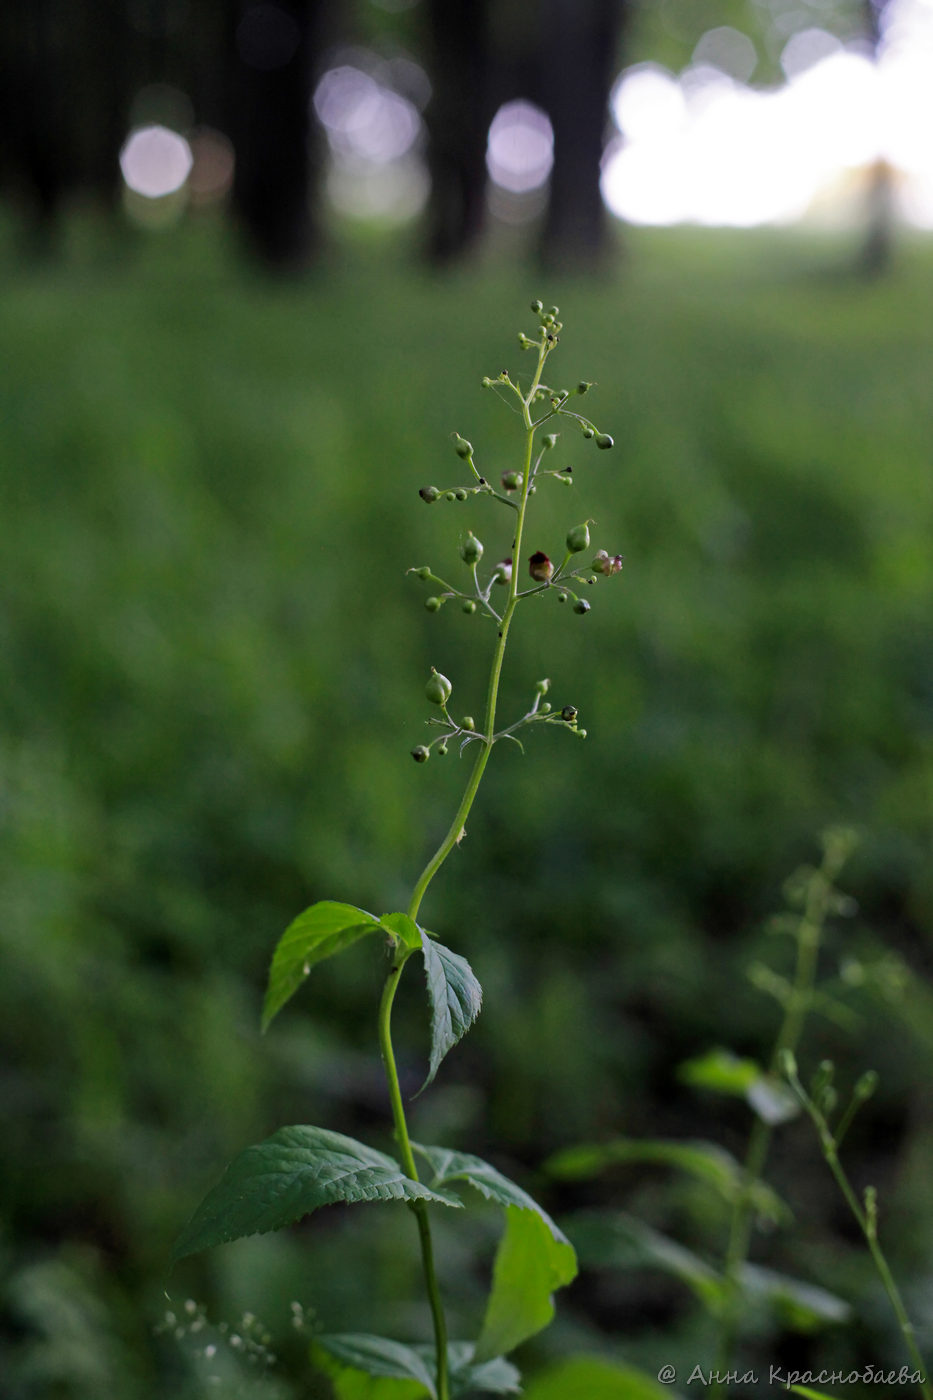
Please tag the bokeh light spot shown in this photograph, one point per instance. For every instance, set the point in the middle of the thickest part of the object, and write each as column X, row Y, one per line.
column 212, row 168
column 155, row 161
column 364, row 118
column 520, row 151
column 729, row 50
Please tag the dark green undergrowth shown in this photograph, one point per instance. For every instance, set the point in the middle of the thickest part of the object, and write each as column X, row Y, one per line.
column 210, row 652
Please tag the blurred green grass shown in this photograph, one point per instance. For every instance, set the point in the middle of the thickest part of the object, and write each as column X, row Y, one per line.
column 212, row 674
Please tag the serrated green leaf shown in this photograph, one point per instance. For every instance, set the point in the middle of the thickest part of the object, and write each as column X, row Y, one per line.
column 530, row 1265
column 379, row 1356
column 318, row 933
column 449, row 1167
column 348, row 1383
column 404, row 929
column 291, row 1174
column 706, row 1161
column 467, row 1376
column 612, row 1239
column 364, row 1367
column 532, row 1260
column 802, row 1306
column 454, row 995
column 589, row 1378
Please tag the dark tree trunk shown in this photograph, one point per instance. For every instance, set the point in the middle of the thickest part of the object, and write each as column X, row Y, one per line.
column 457, row 119
column 877, row 251
column 273, row 49
column 34, row 81
column 580, row 42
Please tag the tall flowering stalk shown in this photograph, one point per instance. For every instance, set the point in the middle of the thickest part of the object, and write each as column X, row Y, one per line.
column 276, row 1182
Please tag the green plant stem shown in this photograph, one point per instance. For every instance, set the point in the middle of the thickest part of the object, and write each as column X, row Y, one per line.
column 408, row 1162
column 867, row 1227
column 759, row 1142
column 451, row 839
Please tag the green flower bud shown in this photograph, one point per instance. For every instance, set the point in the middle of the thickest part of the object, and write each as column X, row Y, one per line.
column 432, row 604
column 429, row 494
column 512, row 481
column 460, row 493
column 420, row 754
column 469, row 606
column 578, row 538
column 438, row 688
column 604, row 441
column 449, row 496
column 486, row 382
column 524, row 342
column 462, row 448
column 468, row 722
column 562, row 597
column 569, row 713
column 549, row 441
column 581, row 606
column 589, row 432
column 545, row 709
column 542, row 687
column 471, row 550
column 442, row 750
column 866, row 1086
column 537, row 307
column 423, row 572
column 553, row 311
column 584, row 386
column 503, row 571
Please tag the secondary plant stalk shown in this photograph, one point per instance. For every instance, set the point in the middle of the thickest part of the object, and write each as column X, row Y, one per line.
column 759, row 1143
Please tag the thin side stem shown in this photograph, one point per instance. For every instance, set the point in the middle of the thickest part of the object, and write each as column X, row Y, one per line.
column 868, row 1228
column 759, row 1142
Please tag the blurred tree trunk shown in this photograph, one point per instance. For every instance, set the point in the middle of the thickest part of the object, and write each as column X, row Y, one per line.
column 877, row 251
column 34, row 82
column 272, row 49
column 457, row 119
column 580, row 42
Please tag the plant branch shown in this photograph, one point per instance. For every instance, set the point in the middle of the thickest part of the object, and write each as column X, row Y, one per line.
column 866, row 1219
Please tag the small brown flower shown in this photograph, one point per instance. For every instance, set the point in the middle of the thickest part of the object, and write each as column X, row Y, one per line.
column 540, row 567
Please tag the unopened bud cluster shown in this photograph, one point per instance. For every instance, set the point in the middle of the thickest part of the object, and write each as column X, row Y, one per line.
column 495, row 591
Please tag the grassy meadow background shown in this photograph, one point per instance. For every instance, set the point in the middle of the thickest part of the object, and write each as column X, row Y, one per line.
column 213, row 667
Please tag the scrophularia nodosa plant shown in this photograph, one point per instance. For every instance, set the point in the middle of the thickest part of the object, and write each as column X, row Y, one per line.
column 274, row 1183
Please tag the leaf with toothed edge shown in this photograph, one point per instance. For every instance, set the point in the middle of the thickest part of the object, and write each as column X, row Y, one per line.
column 318, row 933
column 294, row 1172
column 455, row 995
column 363, row 1367
column 534, row 1258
